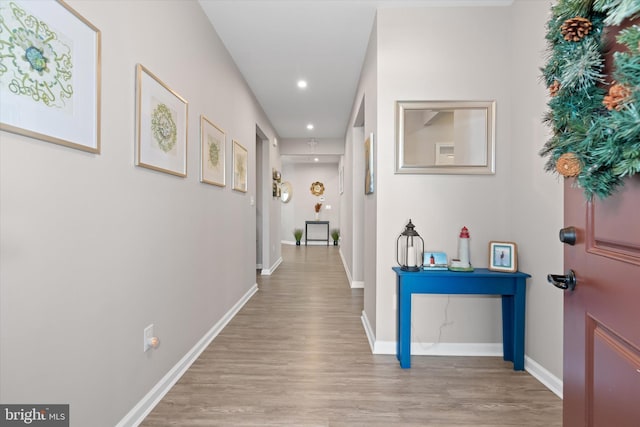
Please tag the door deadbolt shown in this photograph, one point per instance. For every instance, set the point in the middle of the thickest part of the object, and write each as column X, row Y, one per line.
column 568, row 235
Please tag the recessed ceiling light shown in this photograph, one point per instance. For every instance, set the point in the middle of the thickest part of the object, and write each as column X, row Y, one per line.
column 310, row 126
column 316, row 159
column 302, row 84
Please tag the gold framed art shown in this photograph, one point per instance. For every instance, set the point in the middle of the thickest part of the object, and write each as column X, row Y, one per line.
column 212, row 153
column 240, row 167
column 369, row 165
column 50, row 74
column 161, row 125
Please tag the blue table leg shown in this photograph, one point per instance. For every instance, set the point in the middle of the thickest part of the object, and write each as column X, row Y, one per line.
column 398, row 319
column 519, row 306
column 404, row 326
column 507, row 327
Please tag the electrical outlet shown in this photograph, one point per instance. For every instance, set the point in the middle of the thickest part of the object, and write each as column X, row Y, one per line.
column 148, row 334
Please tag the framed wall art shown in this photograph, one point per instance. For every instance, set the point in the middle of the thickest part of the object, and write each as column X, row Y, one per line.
column 161, row 125
column 503, row 256
column 50, row 74
column 368, row 165
column 240, row 167
column 212, row 153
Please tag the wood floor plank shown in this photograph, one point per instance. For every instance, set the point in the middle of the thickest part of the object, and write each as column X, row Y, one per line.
column 297, row 355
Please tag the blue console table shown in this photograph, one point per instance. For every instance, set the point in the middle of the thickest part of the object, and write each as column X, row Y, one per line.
column 512, row 287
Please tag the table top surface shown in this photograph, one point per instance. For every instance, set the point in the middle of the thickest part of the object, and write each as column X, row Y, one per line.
column 477, row 272
column 317, row 222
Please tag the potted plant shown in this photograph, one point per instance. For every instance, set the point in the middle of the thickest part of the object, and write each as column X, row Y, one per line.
column 297, row 233
column 335, row 235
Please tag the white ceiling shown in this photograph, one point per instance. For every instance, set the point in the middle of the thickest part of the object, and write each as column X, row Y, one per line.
column 277, row 42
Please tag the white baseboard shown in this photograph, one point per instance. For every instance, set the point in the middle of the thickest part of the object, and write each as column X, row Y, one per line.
column 369, row 332
column 549, row 380
column 269, row 271
column 311, row 243
column 553, row 383
column 442, row 348
column 352, row 283
column 138, row 413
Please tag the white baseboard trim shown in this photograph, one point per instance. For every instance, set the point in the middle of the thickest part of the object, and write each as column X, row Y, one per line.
column 269, row 271
column 553, row 383
column 442, row 349
column 138, row 413
column 344, row 265
column 549, row 380
column 369, row 332
column 311, row 243
column 354, row 284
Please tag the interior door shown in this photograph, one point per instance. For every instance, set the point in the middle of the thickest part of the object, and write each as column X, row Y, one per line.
column 602, row 312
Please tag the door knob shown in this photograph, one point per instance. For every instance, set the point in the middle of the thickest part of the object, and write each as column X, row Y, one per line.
column 568, row 235
column 567, row 281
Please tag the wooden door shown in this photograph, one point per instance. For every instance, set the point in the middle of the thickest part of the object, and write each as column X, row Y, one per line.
column 602, row 313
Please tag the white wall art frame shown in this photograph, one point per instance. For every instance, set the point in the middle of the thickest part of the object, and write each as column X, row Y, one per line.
column 50, row 74
column 161, row 125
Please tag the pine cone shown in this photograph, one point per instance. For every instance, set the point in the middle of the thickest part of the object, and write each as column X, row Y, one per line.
column 568, row 165
column 618, row 94
column 574, row 29
column 554, row 88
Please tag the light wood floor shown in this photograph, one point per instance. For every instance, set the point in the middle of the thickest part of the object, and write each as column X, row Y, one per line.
column 297, row 355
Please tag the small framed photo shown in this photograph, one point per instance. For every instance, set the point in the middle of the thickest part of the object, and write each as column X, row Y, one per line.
column 503, row 256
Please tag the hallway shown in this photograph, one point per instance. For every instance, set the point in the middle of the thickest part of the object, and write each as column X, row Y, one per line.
column 297, row 355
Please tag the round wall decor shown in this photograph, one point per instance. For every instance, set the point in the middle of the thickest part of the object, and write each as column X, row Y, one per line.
column 317, row 188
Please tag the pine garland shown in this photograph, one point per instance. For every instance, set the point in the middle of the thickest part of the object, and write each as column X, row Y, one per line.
column 596, row 127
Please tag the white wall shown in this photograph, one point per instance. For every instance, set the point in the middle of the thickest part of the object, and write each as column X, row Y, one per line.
column 94, row 249
column 537, row 196
column 417, row 63
column 362, row 124
column 301, row 206
column 439, row 54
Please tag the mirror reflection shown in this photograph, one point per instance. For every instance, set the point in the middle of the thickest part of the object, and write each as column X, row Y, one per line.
column 286, row 192
column 455, row 137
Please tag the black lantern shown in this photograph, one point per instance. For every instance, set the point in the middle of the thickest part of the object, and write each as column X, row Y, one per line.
column 409, row 248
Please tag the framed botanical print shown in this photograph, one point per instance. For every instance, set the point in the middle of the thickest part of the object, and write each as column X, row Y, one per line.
column 161, row 125
column 240, row 167
column 50, row 74
column 212, row 153
column 368, row 165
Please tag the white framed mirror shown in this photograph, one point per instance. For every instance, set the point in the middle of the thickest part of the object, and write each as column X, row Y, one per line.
column 286, row 191
column 445, row 137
